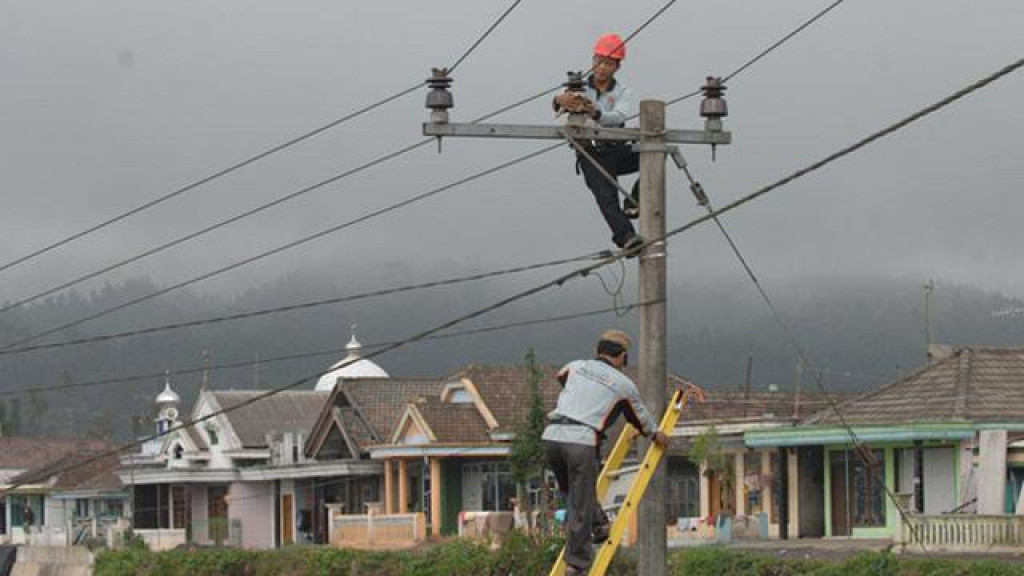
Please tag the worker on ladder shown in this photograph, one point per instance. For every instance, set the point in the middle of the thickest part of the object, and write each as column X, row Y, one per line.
column 607, row 102
column 594, row 394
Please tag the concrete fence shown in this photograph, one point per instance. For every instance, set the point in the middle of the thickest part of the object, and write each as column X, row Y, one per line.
column 965, row 532
column 377, row 529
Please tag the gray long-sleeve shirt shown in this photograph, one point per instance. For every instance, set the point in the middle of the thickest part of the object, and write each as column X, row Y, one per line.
column 594, row 395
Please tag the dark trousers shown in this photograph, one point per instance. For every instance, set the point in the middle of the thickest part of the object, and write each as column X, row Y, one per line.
column 617, row 159
column 576, row 467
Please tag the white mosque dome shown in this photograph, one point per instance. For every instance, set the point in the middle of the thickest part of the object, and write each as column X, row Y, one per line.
column 168, row 396
column 350, row 367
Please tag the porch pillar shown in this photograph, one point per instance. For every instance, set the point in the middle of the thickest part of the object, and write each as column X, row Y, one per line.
column 705, row 491
column 767, row 497
column 738, row 496
column 389, row 489
column 793, row 493
column 435, row 497
column 403, row 487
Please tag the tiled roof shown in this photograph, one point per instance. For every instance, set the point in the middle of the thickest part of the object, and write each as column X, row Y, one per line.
column 505, row 391
column 724, row 405
column 73, row 471
column 383, row 401
column 288, row 411
column 454, row 423
column 972, row 385
column 28, row 453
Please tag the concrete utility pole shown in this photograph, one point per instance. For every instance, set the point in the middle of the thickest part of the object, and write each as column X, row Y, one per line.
column 650, row 141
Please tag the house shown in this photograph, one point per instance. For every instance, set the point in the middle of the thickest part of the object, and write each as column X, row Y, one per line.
column 66, row 487
column 739, row 481
column 242, row 477
column 940, row 441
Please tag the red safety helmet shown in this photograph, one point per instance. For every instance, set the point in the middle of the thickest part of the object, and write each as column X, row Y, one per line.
column 610, row 46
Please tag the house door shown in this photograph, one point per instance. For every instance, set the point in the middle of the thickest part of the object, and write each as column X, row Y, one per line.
column 714, row 494
column 217, row 511
column 287, row 519
column 840, row 510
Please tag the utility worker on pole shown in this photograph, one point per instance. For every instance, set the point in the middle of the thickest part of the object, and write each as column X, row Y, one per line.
column 595, row 392
column 607, row 102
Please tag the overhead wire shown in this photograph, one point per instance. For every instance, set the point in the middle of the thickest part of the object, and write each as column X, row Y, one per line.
column 268, row 205
column 70, row 385
column 305, row 305
column 263, row 207
column 252, row 159
column 580, row 272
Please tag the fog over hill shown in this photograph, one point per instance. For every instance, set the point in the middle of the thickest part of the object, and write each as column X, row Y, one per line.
column 862, row 332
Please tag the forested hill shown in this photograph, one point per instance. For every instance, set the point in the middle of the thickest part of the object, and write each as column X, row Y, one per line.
column 860, row 332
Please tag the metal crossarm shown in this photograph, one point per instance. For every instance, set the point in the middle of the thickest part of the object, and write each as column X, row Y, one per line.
column 644, row 471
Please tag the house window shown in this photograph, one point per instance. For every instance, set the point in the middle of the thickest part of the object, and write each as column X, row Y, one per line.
column 178, row 450
column 81, row 508
column 112, row 507
column 496, row 486
column 753, row 483
column 683, row 488
column 3, row 516
column 212, row 433
column 867, row 487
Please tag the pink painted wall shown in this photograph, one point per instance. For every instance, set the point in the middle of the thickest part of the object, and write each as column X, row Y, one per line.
column 253, row 504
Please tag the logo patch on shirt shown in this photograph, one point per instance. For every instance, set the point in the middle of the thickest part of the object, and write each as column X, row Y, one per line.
column 611, row 101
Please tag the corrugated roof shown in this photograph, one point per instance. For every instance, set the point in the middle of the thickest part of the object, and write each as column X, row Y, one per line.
column 288, row 411
column 82, row 475
column 973, row 385
column 22, row 453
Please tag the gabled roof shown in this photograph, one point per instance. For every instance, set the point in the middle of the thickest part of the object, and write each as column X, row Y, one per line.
column 382, row 402
column 288, row 411
column 504, row 391
column 978, row 385
column 28, row 453
column 450, row 423
column 75, row 472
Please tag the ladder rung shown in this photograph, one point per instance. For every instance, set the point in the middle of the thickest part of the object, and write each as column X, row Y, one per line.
column 622, row 471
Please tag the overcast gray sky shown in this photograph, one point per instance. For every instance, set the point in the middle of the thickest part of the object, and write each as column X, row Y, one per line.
column 105, row 105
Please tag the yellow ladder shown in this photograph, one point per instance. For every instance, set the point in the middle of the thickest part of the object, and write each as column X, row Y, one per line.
column 645, row 471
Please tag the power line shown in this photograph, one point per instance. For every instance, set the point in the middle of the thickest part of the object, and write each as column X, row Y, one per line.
column 781, row 41
column 620, row 309
column 305, row 305
column 763, row 53
column 251, row 159
column 280, row 200
column 279, row 249
column 557, row 282
column 581, row 272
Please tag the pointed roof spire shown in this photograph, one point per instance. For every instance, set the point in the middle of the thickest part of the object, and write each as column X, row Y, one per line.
column 168, row 396
column 353, row 345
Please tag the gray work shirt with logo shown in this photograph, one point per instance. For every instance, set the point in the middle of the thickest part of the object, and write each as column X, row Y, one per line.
column 595, row 393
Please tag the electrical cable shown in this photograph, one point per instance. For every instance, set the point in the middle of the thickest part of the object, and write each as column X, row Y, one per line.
column 281, row 200
column 580, row 272
column 763, row 53
column 557, row 282
column 279, row 249
column 251, row 159
column 316, row 353
column 305, row 305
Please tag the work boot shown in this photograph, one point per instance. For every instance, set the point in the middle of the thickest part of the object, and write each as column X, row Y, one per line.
column 601, row 533
column 631, row 203
column 633, row 246
column 571, row 570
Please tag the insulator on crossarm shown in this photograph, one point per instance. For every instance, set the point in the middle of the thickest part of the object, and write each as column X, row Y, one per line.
column 439, row 99
column 713, row 107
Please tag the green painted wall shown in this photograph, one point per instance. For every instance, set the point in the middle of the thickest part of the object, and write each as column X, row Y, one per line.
column 451, row 496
